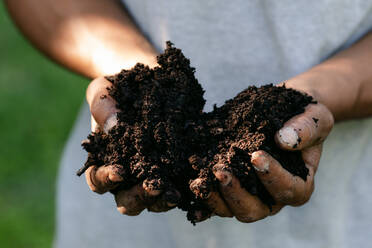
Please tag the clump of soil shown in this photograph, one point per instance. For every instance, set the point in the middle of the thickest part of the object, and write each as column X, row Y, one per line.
column 165, row 139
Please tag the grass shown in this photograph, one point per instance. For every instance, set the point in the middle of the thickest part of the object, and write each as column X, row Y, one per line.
column 38, row 105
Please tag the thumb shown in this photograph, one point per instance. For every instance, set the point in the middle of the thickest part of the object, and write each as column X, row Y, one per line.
column 306, row 129
column 101, row 104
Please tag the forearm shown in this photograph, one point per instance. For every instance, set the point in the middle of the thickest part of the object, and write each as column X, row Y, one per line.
column 343, row 83
column 90, row 37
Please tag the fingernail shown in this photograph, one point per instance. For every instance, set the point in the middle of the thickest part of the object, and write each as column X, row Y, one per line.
column 222, row 174
column 122, row 210
column 150, row 190
column 153, row 187
column 288, row 136
column 125, row 211
column 260, row 162
column 200, row 189
column 110, row 123
column 195, row 185
column 114, row 177
column 115, row 173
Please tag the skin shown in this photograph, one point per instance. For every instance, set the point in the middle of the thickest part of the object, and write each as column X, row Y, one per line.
column 95, row 38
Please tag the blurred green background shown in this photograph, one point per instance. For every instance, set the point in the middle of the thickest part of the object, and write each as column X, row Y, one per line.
column 39, row 102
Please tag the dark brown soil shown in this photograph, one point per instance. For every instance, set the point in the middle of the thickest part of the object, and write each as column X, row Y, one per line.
column 164, row 138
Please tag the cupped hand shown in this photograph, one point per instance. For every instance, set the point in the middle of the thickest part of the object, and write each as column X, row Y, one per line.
column 304, row 132
column 106, row 178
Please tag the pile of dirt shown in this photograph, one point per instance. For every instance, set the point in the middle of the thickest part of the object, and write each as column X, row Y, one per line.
column 164, row 138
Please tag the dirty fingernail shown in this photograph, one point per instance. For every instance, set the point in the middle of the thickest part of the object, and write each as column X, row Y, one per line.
column 110, row 123
column 200, row 188
column 222, row 174
column 152, row 186
column 115, row 174
column 288, row 136
column 115, row 177
column 260, row 162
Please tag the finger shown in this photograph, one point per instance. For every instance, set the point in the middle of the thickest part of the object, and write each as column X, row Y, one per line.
column 217, row 205
column 159, row 206
column 306, row 129
column 102, row 105
column 170, row 198
column 245, row 207
column 281, row 184
column 276, row 209
column 199, row 215
column 212, row 199
column 166, row 201
column 93, row 125
column 104, row 178
column 200, row 188
column 131, row 202
column 152, row 187
column 311, row 156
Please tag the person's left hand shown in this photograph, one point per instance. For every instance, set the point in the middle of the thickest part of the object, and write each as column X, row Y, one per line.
column 305, row 132
column 106, row 178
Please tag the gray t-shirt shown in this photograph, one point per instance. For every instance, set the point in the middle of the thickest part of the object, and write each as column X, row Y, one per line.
column 232, row 45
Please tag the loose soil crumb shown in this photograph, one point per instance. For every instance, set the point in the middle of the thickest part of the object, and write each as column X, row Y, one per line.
column 165, row 139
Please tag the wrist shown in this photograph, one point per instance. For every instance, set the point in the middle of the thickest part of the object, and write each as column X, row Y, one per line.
column 331, row 86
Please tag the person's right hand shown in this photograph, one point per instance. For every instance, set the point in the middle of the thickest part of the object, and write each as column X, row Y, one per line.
column 105, row 178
